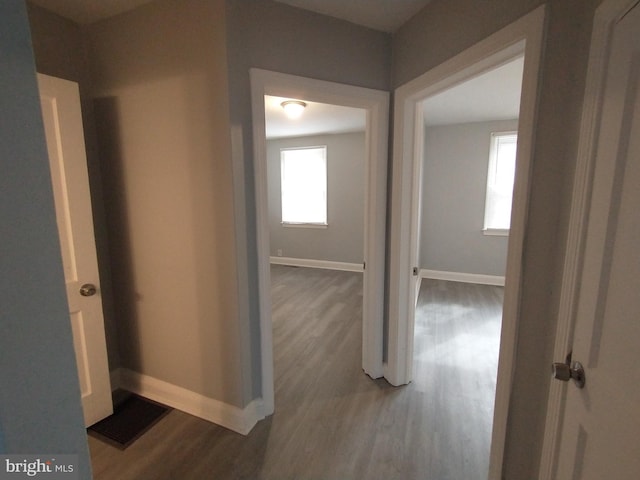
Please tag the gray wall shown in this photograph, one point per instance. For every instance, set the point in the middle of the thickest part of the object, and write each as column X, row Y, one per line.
column 59, row 50
column 441, row 30
column 456, row 159
column 40, row 395
column 159, row 80
column 273, row 36
column 343, row 239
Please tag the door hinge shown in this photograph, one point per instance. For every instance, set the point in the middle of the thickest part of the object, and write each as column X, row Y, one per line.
column 364, row 265
column 415, row 271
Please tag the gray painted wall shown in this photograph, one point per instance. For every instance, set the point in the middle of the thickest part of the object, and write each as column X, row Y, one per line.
column 454, row 184
column 159, row 81
column 440, row 31
column 273, row 36
column 343, row 239
column 40, row 396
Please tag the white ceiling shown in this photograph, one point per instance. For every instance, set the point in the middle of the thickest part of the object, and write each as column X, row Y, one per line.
column 89, row 11
column 317, row 119
column 494, row 95
column 384, row 15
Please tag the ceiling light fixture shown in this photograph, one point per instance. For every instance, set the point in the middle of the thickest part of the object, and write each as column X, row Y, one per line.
column 293, row 108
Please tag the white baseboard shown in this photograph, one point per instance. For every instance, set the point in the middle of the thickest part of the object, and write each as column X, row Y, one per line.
column 463, row 277
column 240, row 420
column 116, row 379
column 309, row 263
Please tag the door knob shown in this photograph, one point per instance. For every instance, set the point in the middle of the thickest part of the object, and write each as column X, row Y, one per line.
column 567, row 371
column 88, row 290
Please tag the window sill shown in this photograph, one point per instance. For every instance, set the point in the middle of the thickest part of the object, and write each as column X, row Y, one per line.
column 305, row 225
column 496, row 232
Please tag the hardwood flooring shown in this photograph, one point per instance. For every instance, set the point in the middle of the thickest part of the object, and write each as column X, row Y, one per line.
column 332, row 421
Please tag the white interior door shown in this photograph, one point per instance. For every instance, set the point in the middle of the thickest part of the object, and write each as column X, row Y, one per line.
column 601, row 422
column 62, row 117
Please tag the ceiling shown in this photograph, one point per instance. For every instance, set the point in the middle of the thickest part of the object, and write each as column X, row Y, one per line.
column 89, row 11
column 317, row 119
column 383, row 15
column 494, row 95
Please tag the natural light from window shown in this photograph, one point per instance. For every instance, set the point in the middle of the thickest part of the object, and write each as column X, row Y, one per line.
column 500, row 178
column 304, row 186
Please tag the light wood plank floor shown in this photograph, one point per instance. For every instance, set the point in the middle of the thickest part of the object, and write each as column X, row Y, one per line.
column 331, row 420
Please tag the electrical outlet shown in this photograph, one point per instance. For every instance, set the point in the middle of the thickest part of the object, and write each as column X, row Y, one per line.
column 279, row 252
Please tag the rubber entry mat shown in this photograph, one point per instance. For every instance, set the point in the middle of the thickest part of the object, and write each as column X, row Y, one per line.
column 130, row 419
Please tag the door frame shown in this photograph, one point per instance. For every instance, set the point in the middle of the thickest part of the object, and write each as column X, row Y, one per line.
column 524, row 35
column 605, row 18
column 376, row 104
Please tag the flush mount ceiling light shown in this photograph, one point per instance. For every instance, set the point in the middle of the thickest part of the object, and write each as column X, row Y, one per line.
column 293, row 108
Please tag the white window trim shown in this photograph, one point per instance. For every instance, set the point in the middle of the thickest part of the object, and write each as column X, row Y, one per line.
column 492, row 231
column 304, row 225
column 318, row 225
column 496, row 232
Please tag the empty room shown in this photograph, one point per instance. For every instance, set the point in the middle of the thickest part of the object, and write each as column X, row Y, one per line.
column 468, row 166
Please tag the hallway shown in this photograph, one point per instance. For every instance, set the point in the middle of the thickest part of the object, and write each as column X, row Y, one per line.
column 331, row 420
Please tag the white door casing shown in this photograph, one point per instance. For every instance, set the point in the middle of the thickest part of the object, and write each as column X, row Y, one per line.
column 376, row 104
column 60, row 101
column 524, row 35
column 592, row 433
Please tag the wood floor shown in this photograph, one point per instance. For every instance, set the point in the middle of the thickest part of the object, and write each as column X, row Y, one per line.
column 332, row 421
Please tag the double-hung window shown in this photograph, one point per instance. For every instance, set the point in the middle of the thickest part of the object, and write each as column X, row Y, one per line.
column 304, row 186
column 500, row 178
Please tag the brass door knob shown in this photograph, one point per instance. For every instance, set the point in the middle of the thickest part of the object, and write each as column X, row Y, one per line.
column 88, row 290
column 566, row 372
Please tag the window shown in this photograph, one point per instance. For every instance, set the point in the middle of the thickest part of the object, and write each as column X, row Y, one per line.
column 502, row 168
column 304, row 186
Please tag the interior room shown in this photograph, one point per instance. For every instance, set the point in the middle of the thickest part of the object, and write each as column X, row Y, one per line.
column 338, row 238
column 164, row 96
column 462, row 257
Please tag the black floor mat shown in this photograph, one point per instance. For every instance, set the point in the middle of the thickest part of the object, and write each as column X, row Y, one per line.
column 131, row 418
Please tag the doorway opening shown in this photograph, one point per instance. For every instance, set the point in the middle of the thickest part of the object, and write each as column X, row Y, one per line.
column 523, row 38
column 375, row 104
column 316, row 178
column 461, row 254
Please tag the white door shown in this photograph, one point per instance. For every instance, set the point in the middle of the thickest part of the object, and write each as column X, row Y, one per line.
column 62, row 117
column 601, row 423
